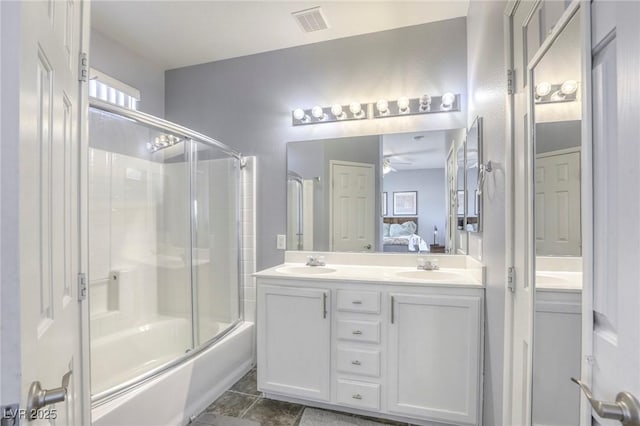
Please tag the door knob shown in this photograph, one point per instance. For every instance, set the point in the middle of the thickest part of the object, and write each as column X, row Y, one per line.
column 39, row 398
column 626, row 409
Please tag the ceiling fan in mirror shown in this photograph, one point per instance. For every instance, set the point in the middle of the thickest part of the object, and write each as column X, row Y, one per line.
column 388, row 163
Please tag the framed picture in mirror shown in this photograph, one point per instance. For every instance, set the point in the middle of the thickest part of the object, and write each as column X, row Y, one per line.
column 384, row 204
column 405, row 203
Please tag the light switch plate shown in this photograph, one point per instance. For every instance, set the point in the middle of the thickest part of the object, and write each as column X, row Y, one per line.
column 281, row 242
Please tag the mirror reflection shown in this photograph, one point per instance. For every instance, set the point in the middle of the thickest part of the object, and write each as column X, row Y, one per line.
column 557, row 229
column 382, row 193
column 475, row 176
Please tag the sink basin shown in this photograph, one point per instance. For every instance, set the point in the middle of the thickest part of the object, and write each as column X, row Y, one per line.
column 305, row 270
column 434, row 276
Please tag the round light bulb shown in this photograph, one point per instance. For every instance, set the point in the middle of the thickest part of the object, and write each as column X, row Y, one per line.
column 336, row 110
column 543, row 89
column 317, row 112
column 569, row 87
column 299, row 114
column 403, row 104
column 425, row 100
column 355, row 108
column 383, row 106
column 448, row 99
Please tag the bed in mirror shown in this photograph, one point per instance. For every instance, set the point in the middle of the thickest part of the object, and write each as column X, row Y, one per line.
column 379, row 193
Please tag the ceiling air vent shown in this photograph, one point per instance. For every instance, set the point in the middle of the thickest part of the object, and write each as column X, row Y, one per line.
column 311, row 19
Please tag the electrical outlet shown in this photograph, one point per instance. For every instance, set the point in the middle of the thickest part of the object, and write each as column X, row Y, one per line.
column 281, row 242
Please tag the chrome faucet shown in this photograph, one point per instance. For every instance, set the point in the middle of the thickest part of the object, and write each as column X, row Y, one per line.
column 428, row 265
column 315, row 261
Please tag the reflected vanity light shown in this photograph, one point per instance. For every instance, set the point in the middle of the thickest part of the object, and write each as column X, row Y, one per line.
column 383, row 107
column 161, row 142
column 404, row 105
column 424, row 104
column 546, row 92
column 448, row 99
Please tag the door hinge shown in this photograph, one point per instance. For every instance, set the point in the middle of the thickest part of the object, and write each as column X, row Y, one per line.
column 511, row 278
column 82, row 286
column 83, row 68
column 511, row 77
column 10, row 415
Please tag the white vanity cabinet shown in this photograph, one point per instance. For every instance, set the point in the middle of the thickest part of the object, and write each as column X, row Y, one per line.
column 435, row 355
column 409, row 352
column 294, row 341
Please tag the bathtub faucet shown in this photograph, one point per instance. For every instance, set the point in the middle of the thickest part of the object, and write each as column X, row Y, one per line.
column 315, row 261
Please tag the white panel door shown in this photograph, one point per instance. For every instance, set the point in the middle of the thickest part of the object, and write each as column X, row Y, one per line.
column 352, row 206
column 294, row 345
column 519, row 341
column 616, row 199
column 435, row 339
column 49, row 231
column 558, row 218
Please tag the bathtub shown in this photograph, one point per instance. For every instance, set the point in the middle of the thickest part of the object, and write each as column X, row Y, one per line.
column 173, row 396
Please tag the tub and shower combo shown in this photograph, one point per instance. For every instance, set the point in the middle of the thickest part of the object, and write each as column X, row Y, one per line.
column 165, row 293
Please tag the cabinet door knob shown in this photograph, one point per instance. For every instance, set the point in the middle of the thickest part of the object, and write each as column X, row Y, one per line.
column 356, row 332
column 356, row 362
column 356, row 396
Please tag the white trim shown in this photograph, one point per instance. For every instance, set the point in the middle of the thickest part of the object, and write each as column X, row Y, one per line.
column 587, row 210
column 559, row 152
column 83, row 186
column 509, row 215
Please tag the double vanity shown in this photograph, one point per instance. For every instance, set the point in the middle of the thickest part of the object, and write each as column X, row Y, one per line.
column 372, row 334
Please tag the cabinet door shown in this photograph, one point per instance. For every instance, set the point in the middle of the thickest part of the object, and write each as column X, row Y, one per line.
column 294, row 341
column 434, row 357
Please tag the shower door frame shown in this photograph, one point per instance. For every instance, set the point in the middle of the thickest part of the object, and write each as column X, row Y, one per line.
column 191, row 138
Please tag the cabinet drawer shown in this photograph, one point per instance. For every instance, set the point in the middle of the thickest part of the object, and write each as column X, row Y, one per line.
column 359, row 301
column 358, row 361
column 359, row 331
column 359, row 394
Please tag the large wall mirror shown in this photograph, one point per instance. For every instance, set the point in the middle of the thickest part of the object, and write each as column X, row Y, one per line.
column 557, row 217
column 380, row 193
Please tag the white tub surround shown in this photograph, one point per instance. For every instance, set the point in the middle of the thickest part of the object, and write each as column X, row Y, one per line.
column 373, row 335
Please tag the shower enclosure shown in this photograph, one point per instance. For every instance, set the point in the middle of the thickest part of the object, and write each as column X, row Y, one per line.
column 164, row 246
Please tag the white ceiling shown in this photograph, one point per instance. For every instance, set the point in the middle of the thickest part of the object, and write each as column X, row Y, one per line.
column 428, row 151
column 180, row 33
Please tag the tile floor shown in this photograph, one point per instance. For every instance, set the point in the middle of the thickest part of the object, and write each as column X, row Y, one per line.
column 244, row 405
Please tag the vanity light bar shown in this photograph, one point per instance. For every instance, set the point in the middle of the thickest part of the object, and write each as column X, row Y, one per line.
column 547, row 93
column 337, row 112
column 424, row 104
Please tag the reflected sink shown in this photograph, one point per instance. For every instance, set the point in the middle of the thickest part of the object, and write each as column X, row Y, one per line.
column 550, row 279
column 430, row 275
column 305, row 270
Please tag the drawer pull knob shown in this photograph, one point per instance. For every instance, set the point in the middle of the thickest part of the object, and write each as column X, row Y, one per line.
column 356, row 362
column 356, row 396
column 357, row 302
column 356, row 332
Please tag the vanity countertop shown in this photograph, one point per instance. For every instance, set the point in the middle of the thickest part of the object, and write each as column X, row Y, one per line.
column 559, row 281
column 453, row 277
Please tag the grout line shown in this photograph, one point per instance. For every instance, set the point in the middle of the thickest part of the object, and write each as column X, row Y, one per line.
column 246, row 394
column 249, row 408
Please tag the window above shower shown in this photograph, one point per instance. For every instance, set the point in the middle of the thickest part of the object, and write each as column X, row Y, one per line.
column 114, row 91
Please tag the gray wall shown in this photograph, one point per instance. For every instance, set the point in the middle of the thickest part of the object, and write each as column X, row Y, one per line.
column 118, row 62
column 247, row 102
column 555, row 135
column 487, row 96
column 432, row 203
